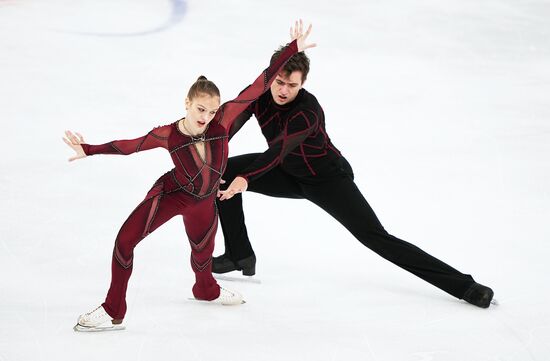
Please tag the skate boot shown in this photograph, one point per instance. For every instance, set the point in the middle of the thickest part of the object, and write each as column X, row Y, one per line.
column 226, row 298
column 224, row 264
column 478, row 295
column 97, row 320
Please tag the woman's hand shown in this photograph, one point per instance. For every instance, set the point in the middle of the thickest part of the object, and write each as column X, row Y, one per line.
column 74, row 142
column 297, row 33
column 238, row 185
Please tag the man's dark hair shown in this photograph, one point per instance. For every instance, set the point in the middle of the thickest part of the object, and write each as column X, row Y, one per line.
column 298, row 61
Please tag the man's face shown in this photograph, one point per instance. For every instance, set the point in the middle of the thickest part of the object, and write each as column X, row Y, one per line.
column 285, row 88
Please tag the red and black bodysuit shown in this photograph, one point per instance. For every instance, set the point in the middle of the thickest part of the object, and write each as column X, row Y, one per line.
column 189, row 190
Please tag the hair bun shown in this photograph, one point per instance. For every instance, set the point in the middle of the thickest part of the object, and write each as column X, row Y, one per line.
column 203, row 86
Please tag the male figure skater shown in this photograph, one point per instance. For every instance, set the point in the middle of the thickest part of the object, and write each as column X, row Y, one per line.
column 301, row 162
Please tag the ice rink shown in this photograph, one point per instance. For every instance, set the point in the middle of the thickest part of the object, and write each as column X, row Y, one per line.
column 441, row 107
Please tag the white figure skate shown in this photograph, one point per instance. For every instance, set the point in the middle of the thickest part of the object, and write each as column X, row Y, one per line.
column 97, row 320
column 226, row 298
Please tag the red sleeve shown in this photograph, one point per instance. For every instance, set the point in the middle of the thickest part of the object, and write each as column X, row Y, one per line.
column 156, row 138
column 230, row 110
column 298, row 128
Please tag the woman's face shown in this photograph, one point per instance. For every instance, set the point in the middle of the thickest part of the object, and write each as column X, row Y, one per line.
column 200, row 111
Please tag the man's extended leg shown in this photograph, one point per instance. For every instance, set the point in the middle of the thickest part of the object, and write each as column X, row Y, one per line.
column 341, row 198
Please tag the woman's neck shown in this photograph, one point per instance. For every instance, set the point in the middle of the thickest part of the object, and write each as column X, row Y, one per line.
column 185, row 130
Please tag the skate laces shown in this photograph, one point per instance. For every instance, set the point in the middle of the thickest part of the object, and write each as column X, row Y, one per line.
column 226, row 294
column 229, row 297
column 96, row 313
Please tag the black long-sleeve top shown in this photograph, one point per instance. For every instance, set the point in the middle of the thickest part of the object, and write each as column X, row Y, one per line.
column 296, row 137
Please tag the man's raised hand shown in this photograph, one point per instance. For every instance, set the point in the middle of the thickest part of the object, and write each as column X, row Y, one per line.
column 297, row 33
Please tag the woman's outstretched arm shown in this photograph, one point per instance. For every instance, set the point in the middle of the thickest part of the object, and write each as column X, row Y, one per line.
column 158, row 137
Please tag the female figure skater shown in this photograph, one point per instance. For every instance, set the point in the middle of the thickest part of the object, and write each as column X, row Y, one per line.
column 198, row 145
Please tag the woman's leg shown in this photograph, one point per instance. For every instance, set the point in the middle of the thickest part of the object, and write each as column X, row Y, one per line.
column 201, row 223
column 156, row 209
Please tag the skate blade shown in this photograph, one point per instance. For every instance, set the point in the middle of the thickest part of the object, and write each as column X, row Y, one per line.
column 247, row 279
column 216, row 303
column 494, row 302
column 80, row 328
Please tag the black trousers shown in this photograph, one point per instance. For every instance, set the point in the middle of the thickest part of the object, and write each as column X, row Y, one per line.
column 339, row 196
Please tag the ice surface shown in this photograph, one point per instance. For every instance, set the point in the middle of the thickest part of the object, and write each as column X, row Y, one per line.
column 442, row 108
